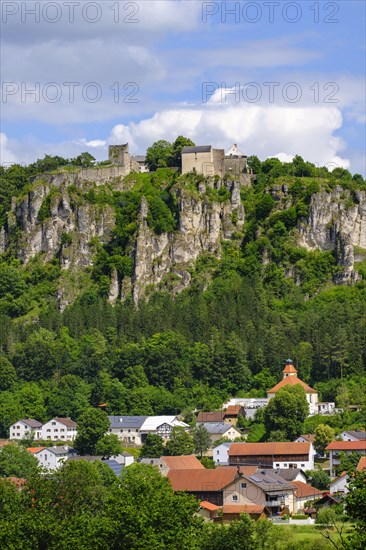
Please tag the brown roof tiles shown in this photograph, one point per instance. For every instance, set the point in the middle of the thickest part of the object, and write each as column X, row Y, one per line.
column 276, row 448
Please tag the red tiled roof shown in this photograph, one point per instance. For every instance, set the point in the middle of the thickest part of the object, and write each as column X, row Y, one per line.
column 289, row 368
column 292, row 380
column 34, row 450
column 305, row 490
column 242, row 509
column 233, row 409
column 245, row 470
column 201, row 480
column 189, row 462
column 209, row 506
column 217, row 416
column 362, row 464
column 346, row 446
column 276, row 448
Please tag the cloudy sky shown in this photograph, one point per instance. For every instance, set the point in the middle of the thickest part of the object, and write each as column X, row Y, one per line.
column 278, row 78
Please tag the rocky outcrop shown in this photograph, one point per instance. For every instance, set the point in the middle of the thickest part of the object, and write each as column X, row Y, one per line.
column 68, row 229
column 337, row 221
column 202, row 226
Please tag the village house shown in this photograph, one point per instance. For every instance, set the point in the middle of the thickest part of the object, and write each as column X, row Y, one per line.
column 115, row 466
column 26, row 428
column 59, row 429
column 273, row 455
column 230, row 416
column 303, row 494
column 218, row 430
column 335, row 449
column 235, row 486
column 290, row 378
column 134, row 429
column 167, row 463
column 339, row 484
column 220, row 453
column 249, row 405
column 231, row 512
column 353, row 435
column 52, row 458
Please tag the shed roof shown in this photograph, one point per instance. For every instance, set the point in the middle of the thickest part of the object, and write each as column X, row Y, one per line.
column 202, row 480
column 243, row 509
column 361, row 464
column 346, row 446
column 188, row 462
column 216, row 416
column 120, row 421
column 304, row 490
column 275, row 448
column 217, row 427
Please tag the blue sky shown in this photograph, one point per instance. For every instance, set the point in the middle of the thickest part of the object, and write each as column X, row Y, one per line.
column 278, row 78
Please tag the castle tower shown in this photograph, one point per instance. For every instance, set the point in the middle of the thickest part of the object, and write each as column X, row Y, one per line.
column 289, row 369
column 119, row 155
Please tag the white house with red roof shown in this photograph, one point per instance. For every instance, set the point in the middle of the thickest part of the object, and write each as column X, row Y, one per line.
column 290, row 378
column 335, row 449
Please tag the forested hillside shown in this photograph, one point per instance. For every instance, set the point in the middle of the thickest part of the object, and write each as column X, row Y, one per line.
column 115, row 317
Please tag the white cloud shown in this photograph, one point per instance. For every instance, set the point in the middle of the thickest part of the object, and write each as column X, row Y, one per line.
column 261, row 130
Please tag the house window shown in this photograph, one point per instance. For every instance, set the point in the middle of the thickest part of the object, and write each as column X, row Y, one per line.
column 277, row 465
column 48, row 430
column 234, row 498
column 217, row 452
column 53, row 423
column 18, row 434
column 56, row 430
column 62, row 437
column 285, row 465
column 243, row 485
column 302, row 465
column 61, row 430
column 45, row 457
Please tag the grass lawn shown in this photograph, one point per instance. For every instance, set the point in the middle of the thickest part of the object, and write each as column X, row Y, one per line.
column 305, row 537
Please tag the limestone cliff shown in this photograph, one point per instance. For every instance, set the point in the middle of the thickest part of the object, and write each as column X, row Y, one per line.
column 337, row 221
column 56, row 219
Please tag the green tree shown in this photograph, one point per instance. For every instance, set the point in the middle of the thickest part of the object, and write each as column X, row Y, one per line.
column 238, row 535
column 8, row 374
column 178, row 145
column 179, row 443
column 93, row 425
column 159, row 155
column 287, row 411
column 277, row 435
column 322, row 437
column 84, row 159
column 319, row 479
column 348, row 462
column 153, row 447
column 201, row 440
column 356, row 509
column 109, row 445
column 148, row 514
column 16, row 461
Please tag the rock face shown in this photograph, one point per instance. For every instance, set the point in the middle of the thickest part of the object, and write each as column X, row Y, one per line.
column 54, row 221
column 202, row 226
column 336, row 222
column 67, row 231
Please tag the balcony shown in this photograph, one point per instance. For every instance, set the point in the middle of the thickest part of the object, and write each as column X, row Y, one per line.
column 272, row 503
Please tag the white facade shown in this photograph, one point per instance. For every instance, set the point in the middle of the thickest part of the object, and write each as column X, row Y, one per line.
column 22, row 429
column 303, row 465
column 59, row 429
column 326, row 408
column 339, row 485
column 353, row 435
column 53, row 458
column 220, row 454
